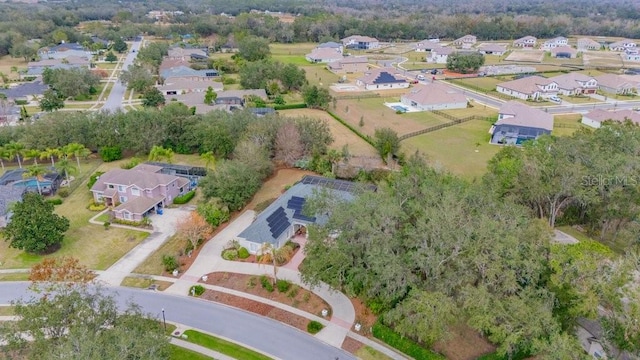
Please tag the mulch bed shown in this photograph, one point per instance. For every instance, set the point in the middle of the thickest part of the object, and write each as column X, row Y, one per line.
column 351, row 345
column 296, row 296
column 259, row 308
column 364, row 317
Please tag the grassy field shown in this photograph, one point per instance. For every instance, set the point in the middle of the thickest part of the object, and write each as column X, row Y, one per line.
column 300, row 49
column 565, row 125
column 7, row 62
column 341, row 134
column 152, row 265
column 91, row 244
column 6, row 310
column 369, row 353
column 223, row 346
column 485, row 83
column 320, row 76
column 579, row 99
column 178, row 353
column 14, row 277
column 462, row 149
column 106, row 66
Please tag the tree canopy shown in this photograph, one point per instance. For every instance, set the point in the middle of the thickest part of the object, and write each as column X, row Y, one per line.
column 465, row 63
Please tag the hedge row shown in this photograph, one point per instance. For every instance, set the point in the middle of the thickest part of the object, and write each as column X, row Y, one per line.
column 290, row 106
column 354, row 130
column 404, row 345
column 183, row 199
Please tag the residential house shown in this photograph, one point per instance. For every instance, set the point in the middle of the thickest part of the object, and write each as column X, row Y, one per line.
column 518, row 123
column 622, row 45
column 588, row 44
column 575, row 83
column 35, row 68
column 25, row 91
column 138, row 192
column 239, row 97
column 64, row 51
column 566, row 52
column 324, row 55
column 177, row 85
column 440, row 55
column 187, row 73
column 285, row 217
column 167, row 63
column 180, row 53
column 616, row 84
column 525, row 42
column 360, row 42
column 465, row 42
column 331, row 45
column 434, row 96
column 382, row 79
column 426, row 45
column 492, row 49
column 529, row 88
column 229, row 100
column 9, row 113
column 8, row 196
column 596, row 117
column 631, row 54
column 349, row 65
column 554, row 43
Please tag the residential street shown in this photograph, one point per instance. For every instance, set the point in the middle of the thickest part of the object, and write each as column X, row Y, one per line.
column 269, row 336
column 116, row 96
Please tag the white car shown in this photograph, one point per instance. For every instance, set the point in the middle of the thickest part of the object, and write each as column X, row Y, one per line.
column 555, row 99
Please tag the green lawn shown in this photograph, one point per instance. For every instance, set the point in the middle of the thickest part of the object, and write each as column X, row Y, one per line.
column 461, row 149
column 299, row 49
column 485, row 83
column 295, row 60
column 6, row 310
column 369, row 353
column 14, row 277
column 579, row 99
column 223, row 346
column 178, row 353
column 317, row 75
column 618, row 97
column 567, row 124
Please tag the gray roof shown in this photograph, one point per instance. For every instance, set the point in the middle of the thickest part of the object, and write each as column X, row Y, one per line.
column 330, row 44
column 260, row 230
column 26, row 89
column 184, row 71
column 434, row 93
column 526, row 116
column 140, row 178
column 10, row 194
column 139, row 205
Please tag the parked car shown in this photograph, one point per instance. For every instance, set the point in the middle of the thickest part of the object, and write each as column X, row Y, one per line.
column 555, row 99
column 434, row 72
column 420, row 77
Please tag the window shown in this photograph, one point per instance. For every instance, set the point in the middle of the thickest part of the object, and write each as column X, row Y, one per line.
column 111, row 186
column 172, row 92
column 123, row 199
column 122, row 188
column 127, row 215
column 181, row 190
column 99, row 198
column 135, row 191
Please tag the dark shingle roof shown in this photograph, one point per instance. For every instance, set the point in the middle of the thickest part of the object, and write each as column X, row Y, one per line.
column 8, row 195
column 26, row 89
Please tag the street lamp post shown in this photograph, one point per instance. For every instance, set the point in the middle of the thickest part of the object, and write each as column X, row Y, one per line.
column 164, row 321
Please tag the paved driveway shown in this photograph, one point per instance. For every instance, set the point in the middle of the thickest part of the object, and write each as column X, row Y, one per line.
column 116, row 96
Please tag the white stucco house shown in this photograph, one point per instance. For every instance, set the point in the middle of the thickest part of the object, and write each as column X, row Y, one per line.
column 382, row 79
column 529, row 88
column 554, row 43
column 434, row 96
column 440, row 55
column 525, row 42
column 596, row 117
column 575, row 84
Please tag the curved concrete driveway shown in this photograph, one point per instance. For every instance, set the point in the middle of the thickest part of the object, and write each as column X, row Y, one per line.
column 261, row 333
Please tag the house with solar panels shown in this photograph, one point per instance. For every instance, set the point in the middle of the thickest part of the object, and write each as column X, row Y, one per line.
column 285, row 216
column 382, row 79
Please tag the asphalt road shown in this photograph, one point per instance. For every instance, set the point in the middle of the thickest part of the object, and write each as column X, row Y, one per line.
column 116, row 96
column 258, row 332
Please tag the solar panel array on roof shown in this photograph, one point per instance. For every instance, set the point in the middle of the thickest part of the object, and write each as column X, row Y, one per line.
column 278, row 222
column 386, row 78
column 296, row 203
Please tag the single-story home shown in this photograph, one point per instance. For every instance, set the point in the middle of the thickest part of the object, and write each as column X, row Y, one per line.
column 8, row 196
column 555, row 42
column 228, row 100
column 25, row 91
column 324, row 55
column 285, row 216
column 187, row 72
column 440, row 55
column 622, row 45
column 596, row 117
column 349, row 65
column 631, row 54
column 518, row 122
column 434, row 96
column 566, row 52
column 36, row 68
column 177, row 85
column 427, row 45
column 382, row 79
column 492, row 49
column 575, row 83
column 588, row 44
column 360, row 42
column 525, row 42
column 529, row 88
column 616, row 84
column 465, row 42
column 167, row 63
column 138, row 192
column 331, row 45
column 180, row 53
column 64, row 51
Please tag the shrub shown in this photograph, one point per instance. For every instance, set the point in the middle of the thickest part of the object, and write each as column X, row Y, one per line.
column 96, row 206
column 56, row 201
column 243, row 253
column 294, row 291
column 106, row 225
column 170, row 262
column 290, row 106
column 292, row 245
column 395, row 340
column 93, row 178
column 230, row 254
column 183, row 199
column 21, row 102
column 314, row 327
column 132, row 223
column 63, row 193
column 266, row 283
column 213, row 213
column 252, row 282
column 196, row 290
column 131, row 164
column 228, row 80
column 110, row 153
column 283, row 285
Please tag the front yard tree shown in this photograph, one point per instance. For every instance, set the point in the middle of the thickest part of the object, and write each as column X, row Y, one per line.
column 253, row 48
column 111, row 57
column 120, row 46
column 210, row 96
column 34, row 227
column 137, row 77
column 465, row 63
column 316, row 97
column 152, row 97
column 194, row 229
column 387, row 143
column 51, row 101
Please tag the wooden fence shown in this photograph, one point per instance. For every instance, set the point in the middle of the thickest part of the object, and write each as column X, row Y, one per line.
column 455, row 121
